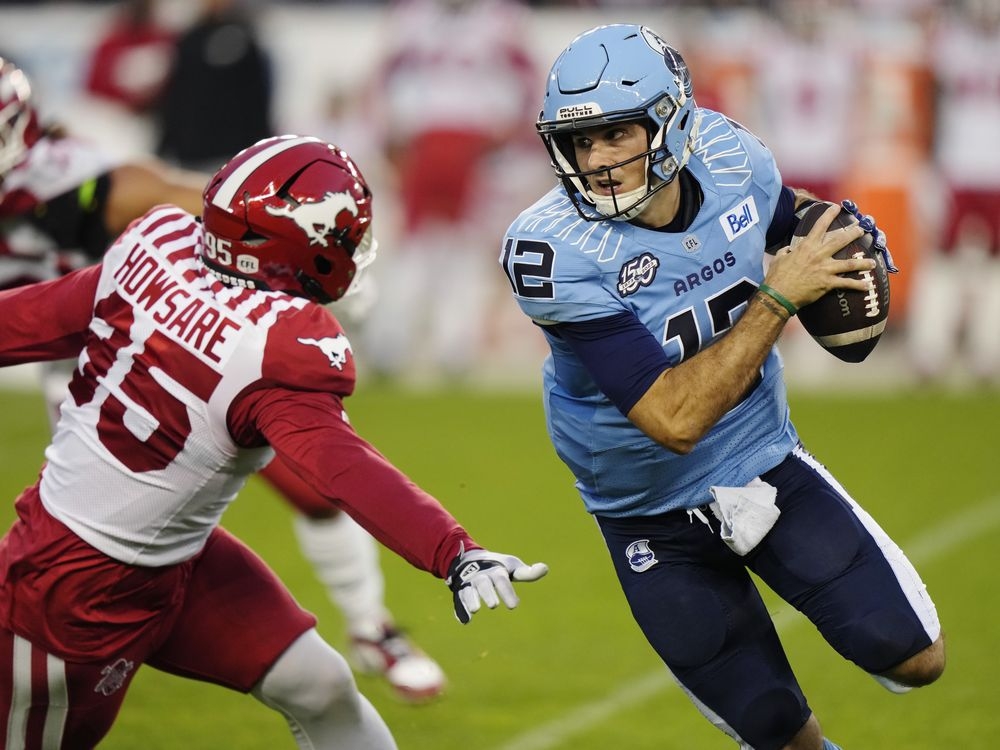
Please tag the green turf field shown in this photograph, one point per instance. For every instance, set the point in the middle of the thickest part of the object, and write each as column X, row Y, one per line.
column 569, row 669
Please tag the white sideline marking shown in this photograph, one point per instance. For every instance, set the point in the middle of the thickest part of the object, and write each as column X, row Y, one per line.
column 969, row 524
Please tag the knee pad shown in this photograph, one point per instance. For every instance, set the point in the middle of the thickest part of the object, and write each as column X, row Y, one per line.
column 773, row 718
column 884, row 638
column 309, row 679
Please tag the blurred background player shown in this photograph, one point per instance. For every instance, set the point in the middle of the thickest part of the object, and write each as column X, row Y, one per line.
column 956, row 315
column 62, row 200
column 128, row 66
column 204, row 351
column 802, row 77
column 455, row 107
column 218, row 93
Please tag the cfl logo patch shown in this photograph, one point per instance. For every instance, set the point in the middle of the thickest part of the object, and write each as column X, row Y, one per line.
column 691, row 244
column 640, row 557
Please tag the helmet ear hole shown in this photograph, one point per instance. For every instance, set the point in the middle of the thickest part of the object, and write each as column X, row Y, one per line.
column 323, row 265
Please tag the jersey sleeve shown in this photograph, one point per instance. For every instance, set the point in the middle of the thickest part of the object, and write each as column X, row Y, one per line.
column 308, row 350
column 561, row 268
column 310, row 432
column 619, row 352
column 48, row 320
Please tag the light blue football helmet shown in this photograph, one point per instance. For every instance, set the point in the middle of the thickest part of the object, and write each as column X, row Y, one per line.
column 618, row 73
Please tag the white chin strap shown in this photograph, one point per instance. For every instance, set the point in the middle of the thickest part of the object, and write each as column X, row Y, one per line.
column 634, row 202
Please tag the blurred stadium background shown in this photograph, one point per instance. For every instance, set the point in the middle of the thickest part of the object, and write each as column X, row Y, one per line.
column 569, row 668
column 870, row 136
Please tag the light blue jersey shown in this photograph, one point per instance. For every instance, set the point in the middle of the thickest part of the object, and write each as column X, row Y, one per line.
column 687, row 289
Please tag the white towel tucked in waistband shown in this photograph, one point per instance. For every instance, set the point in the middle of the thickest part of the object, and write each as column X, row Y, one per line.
column 746, row 513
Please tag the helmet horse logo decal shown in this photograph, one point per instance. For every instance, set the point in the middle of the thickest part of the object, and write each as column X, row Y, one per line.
column 320, row 218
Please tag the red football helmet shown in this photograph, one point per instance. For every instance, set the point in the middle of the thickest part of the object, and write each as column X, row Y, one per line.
column 19, row 128
column 289, row 214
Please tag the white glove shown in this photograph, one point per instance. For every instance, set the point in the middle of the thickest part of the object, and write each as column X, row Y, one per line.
column 481, row 577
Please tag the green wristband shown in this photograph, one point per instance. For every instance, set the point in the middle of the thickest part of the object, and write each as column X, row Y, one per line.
column 778, row 297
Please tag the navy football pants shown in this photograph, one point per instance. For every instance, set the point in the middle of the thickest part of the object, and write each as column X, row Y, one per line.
column 701, row 611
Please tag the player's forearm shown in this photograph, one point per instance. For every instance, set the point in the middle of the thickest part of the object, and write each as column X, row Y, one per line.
column 686, row 401
column 310, row 433
column 397, row 512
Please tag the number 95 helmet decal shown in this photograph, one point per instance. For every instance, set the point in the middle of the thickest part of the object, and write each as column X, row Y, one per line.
column 617, row 74
column 289, row 214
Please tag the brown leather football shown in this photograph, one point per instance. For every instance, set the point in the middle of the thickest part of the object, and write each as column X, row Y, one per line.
column 845, row 322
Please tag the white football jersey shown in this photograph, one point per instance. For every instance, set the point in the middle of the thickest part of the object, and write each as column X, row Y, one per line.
column 143, row 462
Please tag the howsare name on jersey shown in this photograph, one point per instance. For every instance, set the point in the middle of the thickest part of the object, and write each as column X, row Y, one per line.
column 191, row 321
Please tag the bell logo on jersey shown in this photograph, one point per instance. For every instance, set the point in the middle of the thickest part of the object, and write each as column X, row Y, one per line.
column 740, row 219
column 114, row 677
column 320, row 218
column 640, row 557
column 334, row 347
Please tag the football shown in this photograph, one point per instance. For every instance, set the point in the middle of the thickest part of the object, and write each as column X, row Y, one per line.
column 845, row 322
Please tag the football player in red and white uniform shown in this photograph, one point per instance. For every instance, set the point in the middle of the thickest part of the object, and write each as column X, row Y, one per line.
column 62, row 201
column 203, row 350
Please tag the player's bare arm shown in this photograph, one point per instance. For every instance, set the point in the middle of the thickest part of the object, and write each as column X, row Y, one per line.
column 138, row 186
column 687, row 400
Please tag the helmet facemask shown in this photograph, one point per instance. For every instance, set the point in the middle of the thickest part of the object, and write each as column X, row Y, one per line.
column 364, row 255
column 617, row 74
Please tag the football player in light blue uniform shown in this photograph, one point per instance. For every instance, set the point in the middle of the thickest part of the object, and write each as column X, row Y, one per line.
column 664, row 394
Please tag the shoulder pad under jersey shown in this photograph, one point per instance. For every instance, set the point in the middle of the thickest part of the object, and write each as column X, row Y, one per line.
column 732, row 155
column 307, row 349
column 562, row 268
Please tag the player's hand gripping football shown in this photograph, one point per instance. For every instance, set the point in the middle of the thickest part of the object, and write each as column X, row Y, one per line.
column 867, row 222
column 809, row 271
column 481, row 577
